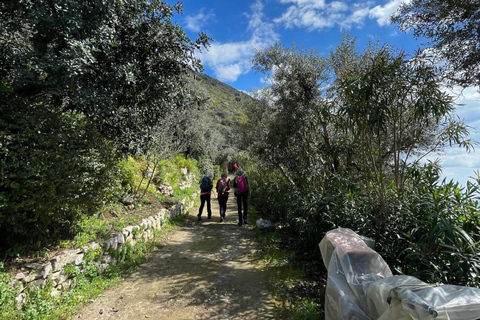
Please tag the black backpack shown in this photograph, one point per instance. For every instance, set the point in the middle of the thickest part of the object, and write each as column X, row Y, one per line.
column 205, row 185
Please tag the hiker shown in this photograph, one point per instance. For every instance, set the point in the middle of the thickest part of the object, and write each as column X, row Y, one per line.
column 206, row 187
column 222, row 187
column 234, row 168
column 240, row 184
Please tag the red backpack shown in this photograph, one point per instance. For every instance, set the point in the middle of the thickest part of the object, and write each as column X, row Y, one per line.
column 241, row 184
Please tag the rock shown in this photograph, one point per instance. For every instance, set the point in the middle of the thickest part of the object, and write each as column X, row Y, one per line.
column 40, row 283
column 79, row 259
column 120, row 237
column 38, row 271
column 111, row 243
column 165, row 188
column 106, row 258
column 127, row 200
column 148, row 173
column 55, row 292
column 58, row 278
column 20, row 300
column 20, row 276
column 60, row 261
column 161, row 214
column 265, row 224
column 90, row 246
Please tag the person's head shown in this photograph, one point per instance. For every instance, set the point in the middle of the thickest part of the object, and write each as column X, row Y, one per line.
column 235, row 166
column 240, row 171
column 224, row 175
column 210, row 175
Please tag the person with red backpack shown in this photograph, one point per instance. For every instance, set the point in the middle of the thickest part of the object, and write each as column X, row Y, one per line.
column 222, row 187
column 240, row 184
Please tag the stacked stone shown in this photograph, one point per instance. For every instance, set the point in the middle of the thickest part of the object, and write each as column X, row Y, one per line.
column 38, row 274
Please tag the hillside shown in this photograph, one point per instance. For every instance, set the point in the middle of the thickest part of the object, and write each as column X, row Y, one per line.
column 224, row 102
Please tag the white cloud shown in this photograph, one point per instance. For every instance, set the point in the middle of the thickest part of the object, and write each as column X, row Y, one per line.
column 457, row 163
column 319, row 14
column 310, row 3
column 229, row 72
column 197, row 22
column 230, row 60
column 383, row 13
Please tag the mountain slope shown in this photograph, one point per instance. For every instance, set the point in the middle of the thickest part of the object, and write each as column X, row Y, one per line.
column 224, row 102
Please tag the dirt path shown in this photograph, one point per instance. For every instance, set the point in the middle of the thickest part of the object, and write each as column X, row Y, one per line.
column 206, row 270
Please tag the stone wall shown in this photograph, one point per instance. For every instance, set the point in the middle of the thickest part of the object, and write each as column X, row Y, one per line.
column 61, row 270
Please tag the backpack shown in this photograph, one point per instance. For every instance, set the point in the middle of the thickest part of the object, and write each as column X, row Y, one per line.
column 222, row 186
column 241, row 184
column 205, row 185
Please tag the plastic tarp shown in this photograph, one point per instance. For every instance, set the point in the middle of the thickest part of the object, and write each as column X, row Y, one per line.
column 360, row 285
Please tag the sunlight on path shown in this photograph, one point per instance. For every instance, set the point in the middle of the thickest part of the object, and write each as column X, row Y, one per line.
column 206, row 270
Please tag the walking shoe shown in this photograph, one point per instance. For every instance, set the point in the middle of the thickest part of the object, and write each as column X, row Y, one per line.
column 209, row 217
column 199, row 218
column 221, row 219
column 239, row 224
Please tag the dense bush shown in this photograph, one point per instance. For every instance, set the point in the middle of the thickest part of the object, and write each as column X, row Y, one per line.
column 343, row 149
column 54, row 167
column 82, row 84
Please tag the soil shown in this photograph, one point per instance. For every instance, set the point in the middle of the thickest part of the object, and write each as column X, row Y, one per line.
column 206, row 270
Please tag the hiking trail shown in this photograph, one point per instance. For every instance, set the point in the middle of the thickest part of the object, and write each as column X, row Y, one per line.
column 205, row 270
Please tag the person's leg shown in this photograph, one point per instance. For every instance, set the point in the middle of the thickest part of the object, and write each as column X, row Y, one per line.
column 239, row 205
column 225, row 201
column 209, row 207
column 245, row 208
column 202, row 203
column 221, row 204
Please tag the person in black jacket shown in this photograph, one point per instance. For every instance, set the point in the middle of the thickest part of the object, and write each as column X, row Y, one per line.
column 205, row 194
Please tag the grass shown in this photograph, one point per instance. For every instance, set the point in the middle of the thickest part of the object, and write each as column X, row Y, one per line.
column 294, row 277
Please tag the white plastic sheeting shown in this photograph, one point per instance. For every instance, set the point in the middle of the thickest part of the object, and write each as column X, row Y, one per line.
column 361, row 286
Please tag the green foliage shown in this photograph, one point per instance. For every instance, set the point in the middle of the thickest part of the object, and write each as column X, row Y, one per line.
column 347, row 154
column 307, row 310
column 443, row 246
column 39, row 304
column 82, row 83
column 71, row 270
column 211, row 128
column 92, row 255
column 8, row 307
column 129, row 173
column 170, row 170
column 65, row 170
column 450, row 28
column 88, row 229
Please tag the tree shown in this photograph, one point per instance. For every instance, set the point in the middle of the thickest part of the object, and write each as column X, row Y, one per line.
column 120, row 64
column 452, row 27
column 81, row 84
column 296, row 106
column 395, row 114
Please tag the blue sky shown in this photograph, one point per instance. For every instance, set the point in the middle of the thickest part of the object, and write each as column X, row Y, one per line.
column 240, row 27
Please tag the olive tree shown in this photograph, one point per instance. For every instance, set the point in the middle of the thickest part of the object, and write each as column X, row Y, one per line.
column 296, row 109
